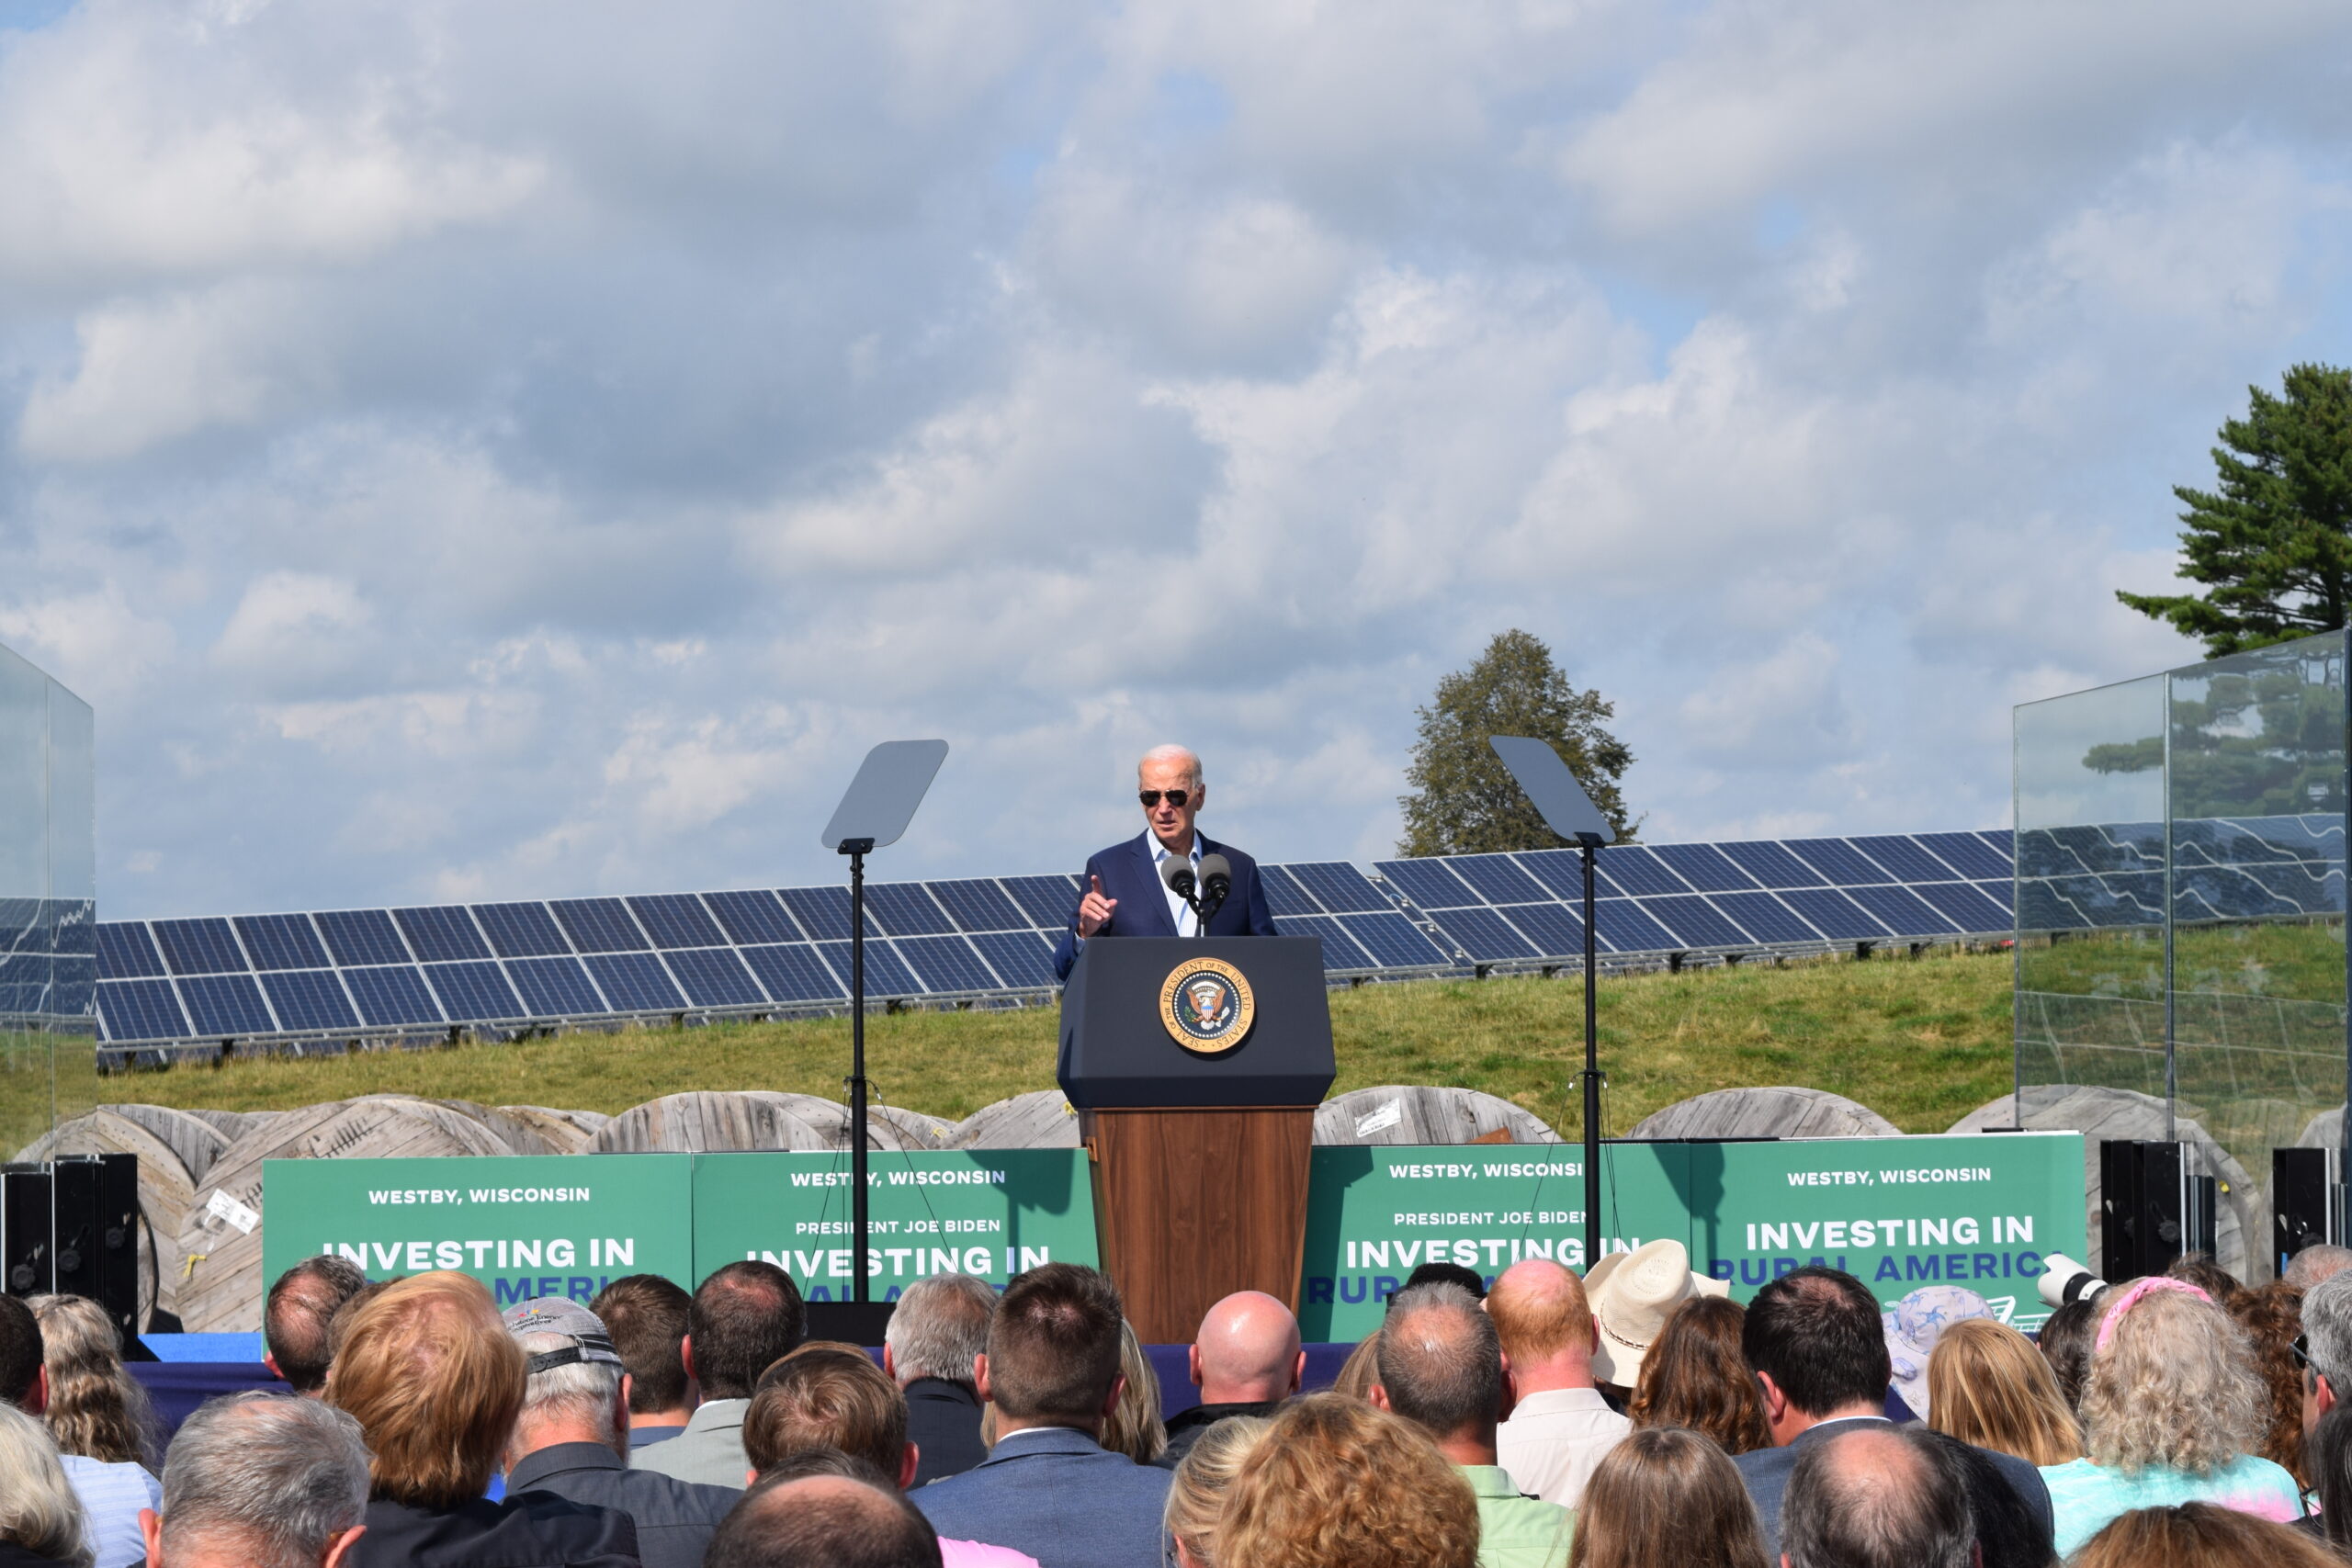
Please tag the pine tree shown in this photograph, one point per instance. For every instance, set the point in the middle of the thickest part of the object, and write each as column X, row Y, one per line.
column 1464, row 799
column 2274, row 542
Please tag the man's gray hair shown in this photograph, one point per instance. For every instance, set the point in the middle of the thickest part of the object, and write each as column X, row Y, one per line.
column 1174, row 753
column 2327, row 1331
column 277, row 1478
column 939, row 1328
column 2320, row 1261
column 588, row 1392
column 1440, row 1361
column 1878, row 1496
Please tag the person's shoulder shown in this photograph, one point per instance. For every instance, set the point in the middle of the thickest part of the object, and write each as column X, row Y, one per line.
column 2256, row 1471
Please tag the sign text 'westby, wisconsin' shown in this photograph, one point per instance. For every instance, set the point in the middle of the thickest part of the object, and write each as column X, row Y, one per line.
column 569, row 1224
column 1979, row 1211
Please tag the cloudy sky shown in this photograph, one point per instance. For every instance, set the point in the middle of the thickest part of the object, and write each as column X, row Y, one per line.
column 503, row 449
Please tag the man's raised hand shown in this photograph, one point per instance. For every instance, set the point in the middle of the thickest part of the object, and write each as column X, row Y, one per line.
column 1094, row 910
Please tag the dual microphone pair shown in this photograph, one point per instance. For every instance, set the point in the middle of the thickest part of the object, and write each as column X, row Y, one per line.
column 1206, row 893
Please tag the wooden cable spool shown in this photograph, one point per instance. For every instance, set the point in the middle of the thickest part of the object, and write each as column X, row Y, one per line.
column 196, row 1141
column 703, row 1121
column 564, row 1132
column 1779, row 1112
column 1415, row 1113
column 221, row 1283
column 1039, row 1120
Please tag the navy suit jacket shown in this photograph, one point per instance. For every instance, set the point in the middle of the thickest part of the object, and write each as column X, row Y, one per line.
column 1766, row 1474
column 1057, row 1495
column 1129, row 879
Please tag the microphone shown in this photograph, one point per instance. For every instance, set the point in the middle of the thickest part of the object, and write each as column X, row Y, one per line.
column 1217, row 878
column 1177, row 874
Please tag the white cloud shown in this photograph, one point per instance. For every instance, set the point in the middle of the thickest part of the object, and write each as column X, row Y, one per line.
column 457, row 467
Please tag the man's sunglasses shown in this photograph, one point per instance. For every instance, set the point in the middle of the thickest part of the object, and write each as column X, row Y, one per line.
column 1176, row 797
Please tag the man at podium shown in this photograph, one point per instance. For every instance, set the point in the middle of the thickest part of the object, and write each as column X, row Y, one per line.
column 1126, row 892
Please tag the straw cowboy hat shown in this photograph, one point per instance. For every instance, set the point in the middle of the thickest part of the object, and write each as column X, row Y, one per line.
column 1631, row 1293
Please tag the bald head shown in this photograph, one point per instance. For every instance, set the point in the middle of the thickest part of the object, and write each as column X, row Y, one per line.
column 2319, row 1261
column 1441, row 1366
column 823, row 1521
column 1247, row 1351
column 1545, row 1325
column 1878, row 1496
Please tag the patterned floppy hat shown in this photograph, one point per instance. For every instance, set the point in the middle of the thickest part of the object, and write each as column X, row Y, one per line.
column 1914, row 1324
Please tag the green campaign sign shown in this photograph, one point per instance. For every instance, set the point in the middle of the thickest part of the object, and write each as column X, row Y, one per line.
column 1974, row 1210
column 524, row 1225
column 990, row 1212
column 1979, row 1211
column 1375, row 1214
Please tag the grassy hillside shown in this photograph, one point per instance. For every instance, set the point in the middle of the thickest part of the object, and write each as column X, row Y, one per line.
column 1920, row 1041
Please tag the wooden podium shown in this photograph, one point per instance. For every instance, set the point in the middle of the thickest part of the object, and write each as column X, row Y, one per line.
column 1195, row 1067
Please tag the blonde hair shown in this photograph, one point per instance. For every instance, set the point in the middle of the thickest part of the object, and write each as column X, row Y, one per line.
column 1196, row 1493
column 95, row 1410
column 1133, row 1426
column 2173, row 1388
column 1361, row 1370
column 2200, row 1535
column 435, row 1382
column 1332, row 1480
column 38, row 1510
column 1667, row 1494
column 1988, row 1385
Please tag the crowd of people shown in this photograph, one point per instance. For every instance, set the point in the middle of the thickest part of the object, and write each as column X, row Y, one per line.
column 1633, row 1418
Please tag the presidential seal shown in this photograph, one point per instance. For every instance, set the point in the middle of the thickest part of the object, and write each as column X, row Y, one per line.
column 1207, row 1006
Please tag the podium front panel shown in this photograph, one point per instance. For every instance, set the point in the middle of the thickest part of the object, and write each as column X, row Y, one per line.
column 1140, row 1016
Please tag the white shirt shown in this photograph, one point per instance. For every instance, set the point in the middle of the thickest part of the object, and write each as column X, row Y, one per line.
column 1555, row 1441
column 1187, row 922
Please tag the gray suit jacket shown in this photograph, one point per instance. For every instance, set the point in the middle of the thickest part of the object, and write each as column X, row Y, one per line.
column 1766, row 1471
column 1057, row 1495
column 710, row 1451
column 674, row 1518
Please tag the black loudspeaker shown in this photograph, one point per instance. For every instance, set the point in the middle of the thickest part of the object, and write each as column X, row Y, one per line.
column 852, row 1323
column 97, row 1230
column 27, row 1265
column 2155, row 1206
column 2306, row 1200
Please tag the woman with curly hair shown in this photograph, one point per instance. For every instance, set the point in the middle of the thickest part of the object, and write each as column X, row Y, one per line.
column 95, row 1408
column 1988, row 1385
column 1695, row 1376
column 1335, row 1481
column 2172, row 1413
column 2272, row 1316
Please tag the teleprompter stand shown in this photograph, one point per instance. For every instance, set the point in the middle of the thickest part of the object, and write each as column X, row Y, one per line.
column 881, row 800
column 1199, row 1154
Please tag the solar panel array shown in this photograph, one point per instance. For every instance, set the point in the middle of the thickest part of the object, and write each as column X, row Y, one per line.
column 47, row 962
column 337, row 974
column 2232, row 868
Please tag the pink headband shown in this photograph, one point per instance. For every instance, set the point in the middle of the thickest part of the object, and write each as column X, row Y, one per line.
column 2133, row 1294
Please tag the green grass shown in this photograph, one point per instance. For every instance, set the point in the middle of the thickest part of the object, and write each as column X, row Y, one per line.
column 1921, row 1041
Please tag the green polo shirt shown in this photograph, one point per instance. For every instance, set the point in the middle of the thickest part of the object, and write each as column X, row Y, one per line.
column 1514, row 1529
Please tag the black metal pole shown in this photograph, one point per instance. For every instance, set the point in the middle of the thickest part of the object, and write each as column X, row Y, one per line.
column 1591, row 1081
column 857, row 1069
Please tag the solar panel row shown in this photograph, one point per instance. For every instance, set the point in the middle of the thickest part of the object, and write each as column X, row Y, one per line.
column 1526, row 908
column 518, row 963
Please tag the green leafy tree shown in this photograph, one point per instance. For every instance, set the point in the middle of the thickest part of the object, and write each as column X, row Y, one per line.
column 1464, row 799
column 2273, row 542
